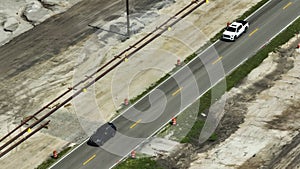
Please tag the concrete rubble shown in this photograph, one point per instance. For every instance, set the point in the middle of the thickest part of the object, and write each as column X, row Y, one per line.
column 11, row 24
column 35, row 13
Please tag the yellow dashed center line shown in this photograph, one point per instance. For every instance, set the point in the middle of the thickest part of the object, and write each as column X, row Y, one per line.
column 253, row 32
column 135, row 123
column 287, row 5
column 217, row 60
column 177, row 91
column 88, row 160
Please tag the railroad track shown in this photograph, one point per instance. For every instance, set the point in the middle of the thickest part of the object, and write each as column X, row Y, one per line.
column 13, row 139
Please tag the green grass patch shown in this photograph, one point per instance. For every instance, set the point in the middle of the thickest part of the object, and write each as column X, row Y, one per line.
column 46, row 164
column 252, row 9
column 190, row 57
column 145, row 163
column 239, row 74
column 194, row 133
column 133, row 100
column 213, row 137
column 231, row 80
column 244, row 16
column 206, row 101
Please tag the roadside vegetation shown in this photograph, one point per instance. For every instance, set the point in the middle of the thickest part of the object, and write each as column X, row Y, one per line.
column 46, row 164
column 231, row 80
column 189, row 58
column 145, row 163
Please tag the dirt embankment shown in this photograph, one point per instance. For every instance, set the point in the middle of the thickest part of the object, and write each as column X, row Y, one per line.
column 40, row 75
column 260, row 128
column 40, row 82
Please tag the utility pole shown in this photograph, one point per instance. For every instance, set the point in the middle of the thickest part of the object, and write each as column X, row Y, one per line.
column 128, row 24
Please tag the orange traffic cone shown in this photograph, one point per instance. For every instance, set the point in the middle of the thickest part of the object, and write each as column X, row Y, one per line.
column 132, row 154
column 126, row 102
column 55, row 155
column 174, row 122
column 178, row 62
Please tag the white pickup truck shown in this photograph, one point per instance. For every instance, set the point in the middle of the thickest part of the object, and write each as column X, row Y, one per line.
column 235, row 30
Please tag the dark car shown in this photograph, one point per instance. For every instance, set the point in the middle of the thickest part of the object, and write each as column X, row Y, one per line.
column 103, row 134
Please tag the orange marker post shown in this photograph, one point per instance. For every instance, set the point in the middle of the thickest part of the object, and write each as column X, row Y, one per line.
column 174, row 122
column 55, row 155
column 178, row 62
column 132, row 154
column 126, row 102
column 228, row 23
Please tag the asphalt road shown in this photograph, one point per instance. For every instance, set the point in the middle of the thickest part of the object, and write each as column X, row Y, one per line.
column 146, row 116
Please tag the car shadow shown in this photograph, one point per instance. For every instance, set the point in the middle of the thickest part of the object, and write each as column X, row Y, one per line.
column 226, row 40
column 91, row 143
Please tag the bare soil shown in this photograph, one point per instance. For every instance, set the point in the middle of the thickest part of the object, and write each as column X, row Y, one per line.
column 260, row 128
column 32, row 77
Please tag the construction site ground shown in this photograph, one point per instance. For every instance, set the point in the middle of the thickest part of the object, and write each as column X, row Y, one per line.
column 274, row 95
column 268, row 102
column 260, row 128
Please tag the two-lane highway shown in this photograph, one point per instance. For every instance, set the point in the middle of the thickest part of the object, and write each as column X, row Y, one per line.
column 144, row 118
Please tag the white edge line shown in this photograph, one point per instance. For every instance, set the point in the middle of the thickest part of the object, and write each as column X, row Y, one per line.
column 264, row 44
column 136, row 103
column 168, row 121
column 164, row 82
column 68, row 153
column 258, row 10
column 203, row 92
column 181, row 68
